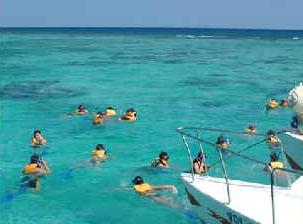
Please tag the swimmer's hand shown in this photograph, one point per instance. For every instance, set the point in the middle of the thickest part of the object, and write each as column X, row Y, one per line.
column 173, row 189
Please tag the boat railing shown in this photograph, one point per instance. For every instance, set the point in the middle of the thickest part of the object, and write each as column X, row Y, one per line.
column 195, row 133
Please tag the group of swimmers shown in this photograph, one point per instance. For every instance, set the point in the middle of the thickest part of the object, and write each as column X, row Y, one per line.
column 274, row 104
column 99, row 117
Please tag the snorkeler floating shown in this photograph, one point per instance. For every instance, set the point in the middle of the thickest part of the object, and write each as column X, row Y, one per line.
column 37, row 139
column 161, row 161
column 130, row 115
column 98, row 118
column 272, row 139
column 272, row 104
column 99, row 154
column 251, row 129
column 274, row 162
column 81, row 110
column 222, row 142
column 110, row 112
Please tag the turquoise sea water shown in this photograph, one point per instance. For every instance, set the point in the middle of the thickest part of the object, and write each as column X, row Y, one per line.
column 209, row 78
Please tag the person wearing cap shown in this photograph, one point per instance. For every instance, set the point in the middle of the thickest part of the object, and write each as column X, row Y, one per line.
column 130, row 115
column 161, row 161
column 81, row 110
column 146, row 189
column 99, row 154
column 199, row 166
column 37, row 139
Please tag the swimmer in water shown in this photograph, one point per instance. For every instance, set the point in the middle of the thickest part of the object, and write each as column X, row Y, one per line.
column 222, row 142
column 251, row 129
column 37, row 139
column 161, row 161
column 81, row 110
column 99, row 154
column 110, row 112
column 272, row 139
column 274, row 162
column 130, row 115
column 284, row 103
column 98, row 118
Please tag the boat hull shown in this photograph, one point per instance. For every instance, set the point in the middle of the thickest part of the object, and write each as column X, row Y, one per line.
column 293, row 145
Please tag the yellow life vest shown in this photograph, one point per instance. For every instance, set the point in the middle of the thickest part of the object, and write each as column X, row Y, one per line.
column 272, row 104
column 35, row 141
column 97, row 119
column 30, row 168
column 98, row 153
column 142, row 188
column 273, row 140
column 276, row 164
column 110, row 112
column 131, row 116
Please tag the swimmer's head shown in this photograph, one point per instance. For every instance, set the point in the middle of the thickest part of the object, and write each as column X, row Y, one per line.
column 270, row 132
column 274, row 157
column 201, row 156
column 37, row 132
column 164, row 156
column 138, row 180
column 130, row 110
column 35, row 158
column 100, row 147
column 81, row 107
column 110, row 108
column 251, row 126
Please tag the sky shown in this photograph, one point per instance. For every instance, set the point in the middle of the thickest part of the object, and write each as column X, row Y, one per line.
column 262, row 14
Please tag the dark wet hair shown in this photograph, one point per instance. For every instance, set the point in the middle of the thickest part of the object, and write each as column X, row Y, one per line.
column 270, row 132
column 251, row 126
column 274, row 157
column 130, row 110
column 37, row 131
column 110, row 108
column 200, row 155
column 138, row 180
column 163, row 155
column 81, row 106
column 100, row 147
column 35, row 158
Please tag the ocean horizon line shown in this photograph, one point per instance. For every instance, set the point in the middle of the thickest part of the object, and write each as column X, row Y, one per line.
column 147, row 28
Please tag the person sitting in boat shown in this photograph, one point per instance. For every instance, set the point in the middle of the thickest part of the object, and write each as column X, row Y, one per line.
column 110, row 112
column 274, row 162
column 272, row 104
column 130, row 115
column 251, row 129
column 161, row 161
column 222, row 142
column 199, row 166
column 272, row 139
column 37, row 139
column 99, row 154
column 81, row 110
column 284, row 103
column 98, row 118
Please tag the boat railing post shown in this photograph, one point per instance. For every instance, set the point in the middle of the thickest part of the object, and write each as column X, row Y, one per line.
column 189, row 156
column 225, row 174
column 202, row 151
column 285, row 162
column 272, row 174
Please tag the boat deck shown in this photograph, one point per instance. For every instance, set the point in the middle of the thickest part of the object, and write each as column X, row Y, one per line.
column 254, row 200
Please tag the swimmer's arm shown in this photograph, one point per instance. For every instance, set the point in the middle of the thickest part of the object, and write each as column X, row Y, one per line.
column 46, row 168
column 165, row 187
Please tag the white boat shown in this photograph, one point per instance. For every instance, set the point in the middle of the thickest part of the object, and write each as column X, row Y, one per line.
column 292, row 141
column 227, row 201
